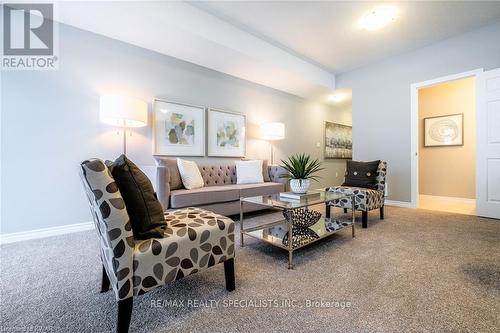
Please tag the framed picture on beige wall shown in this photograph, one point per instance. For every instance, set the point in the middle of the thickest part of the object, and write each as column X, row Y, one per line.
column 445, row 130
column 226, row 133
column 178, row 129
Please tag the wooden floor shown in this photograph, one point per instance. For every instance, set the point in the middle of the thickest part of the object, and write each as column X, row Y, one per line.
column 450, row 205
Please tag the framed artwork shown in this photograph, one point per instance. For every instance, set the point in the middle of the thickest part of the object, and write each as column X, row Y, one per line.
column 338, row 141
column 226, row 134
column 444, row 130
column 178, row 129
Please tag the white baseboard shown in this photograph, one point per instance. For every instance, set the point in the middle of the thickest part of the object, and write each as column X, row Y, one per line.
column 67, row 229
column 396, row 203
column 46, row 232
column 464, row 201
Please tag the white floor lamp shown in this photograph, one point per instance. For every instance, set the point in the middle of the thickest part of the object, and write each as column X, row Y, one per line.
column 272, row 132
column 124, row 112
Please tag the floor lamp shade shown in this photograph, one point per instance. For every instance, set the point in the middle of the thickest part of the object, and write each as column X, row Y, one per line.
column 272, row 131
column 123, row 111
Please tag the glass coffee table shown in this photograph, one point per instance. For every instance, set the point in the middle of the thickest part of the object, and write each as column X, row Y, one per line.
column 301, row 226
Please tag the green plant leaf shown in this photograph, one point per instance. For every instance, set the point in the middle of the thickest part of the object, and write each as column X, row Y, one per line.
column 301, row 166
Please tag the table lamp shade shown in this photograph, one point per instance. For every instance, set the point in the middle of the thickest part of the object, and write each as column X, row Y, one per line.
column 272, row 131
column 123, row 111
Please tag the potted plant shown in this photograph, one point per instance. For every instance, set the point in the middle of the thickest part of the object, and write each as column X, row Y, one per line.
column 301, row 169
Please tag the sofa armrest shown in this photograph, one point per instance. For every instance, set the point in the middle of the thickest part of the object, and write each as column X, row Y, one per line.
column 163, row 186
column 275, row 173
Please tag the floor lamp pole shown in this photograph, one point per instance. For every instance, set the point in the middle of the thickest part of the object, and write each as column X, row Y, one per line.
column 124, row 139
column 272, row 152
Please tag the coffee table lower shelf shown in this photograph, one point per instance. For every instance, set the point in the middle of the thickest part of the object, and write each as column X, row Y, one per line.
column 277, row 233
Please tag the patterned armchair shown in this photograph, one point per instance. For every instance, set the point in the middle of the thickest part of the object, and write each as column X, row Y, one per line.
column 365, row 199
column 194, row 240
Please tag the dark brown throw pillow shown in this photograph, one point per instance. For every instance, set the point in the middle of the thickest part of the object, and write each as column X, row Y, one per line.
column 361, row 174
column 144, row 209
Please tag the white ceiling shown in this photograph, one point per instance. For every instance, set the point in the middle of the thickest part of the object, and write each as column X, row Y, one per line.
column 296, row 47
column 326, row 34
column 186, row 32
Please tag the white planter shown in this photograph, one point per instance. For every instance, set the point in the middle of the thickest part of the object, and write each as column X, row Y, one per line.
column 299, row 185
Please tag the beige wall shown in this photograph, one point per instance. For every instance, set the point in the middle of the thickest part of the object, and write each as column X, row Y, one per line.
column 448, row 171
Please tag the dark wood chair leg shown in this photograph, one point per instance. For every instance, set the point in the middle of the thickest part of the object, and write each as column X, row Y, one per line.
column 124, row 314
column 364, row 219
column 382, row 212
column 104, row 281
column 328, row 210
column 229, row 274
column 345, row 210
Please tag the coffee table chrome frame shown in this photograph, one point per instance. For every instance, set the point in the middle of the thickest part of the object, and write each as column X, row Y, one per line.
column 289, row 223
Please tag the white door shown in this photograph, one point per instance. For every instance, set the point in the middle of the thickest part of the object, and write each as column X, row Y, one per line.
column 488, row 144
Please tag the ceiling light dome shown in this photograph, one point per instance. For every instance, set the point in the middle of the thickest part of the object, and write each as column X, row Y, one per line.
column 378, row 17
column 337, row 97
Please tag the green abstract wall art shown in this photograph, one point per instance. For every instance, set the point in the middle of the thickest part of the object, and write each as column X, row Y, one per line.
column 226, row 134
column 178, row 129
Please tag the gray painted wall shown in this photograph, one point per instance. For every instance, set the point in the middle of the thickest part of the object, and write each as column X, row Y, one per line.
column 381, row 97
column 50, row 122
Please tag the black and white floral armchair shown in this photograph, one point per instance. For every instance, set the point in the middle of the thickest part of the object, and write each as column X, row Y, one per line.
column 194, row 240
column 365, row 199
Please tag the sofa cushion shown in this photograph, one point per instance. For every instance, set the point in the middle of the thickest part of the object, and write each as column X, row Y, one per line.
column 190, row 174
column 265, row 169
column 202, row 196
column 143, row 207
column 249, row 172
column 251, row 190
column 194, row 240
column 175, row 180
column 364, row 198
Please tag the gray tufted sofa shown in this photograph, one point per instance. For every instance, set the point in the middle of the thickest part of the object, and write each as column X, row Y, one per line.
column 220, row 193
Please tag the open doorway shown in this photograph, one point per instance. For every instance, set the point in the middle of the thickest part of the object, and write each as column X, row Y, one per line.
column 447, row 146
column 450, row 105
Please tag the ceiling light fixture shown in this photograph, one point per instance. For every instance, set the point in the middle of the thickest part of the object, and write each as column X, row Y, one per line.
column 378, row 17
column 338, row 97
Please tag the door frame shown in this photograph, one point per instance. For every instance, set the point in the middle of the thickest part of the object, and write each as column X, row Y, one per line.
column 414, row 121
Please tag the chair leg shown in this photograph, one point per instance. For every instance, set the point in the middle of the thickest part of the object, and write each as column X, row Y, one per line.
column 382, row 212
column 104, row 281
column 364, row 219
column 345, row 210
column 328, row 211
column 124, row 314
column 229, row 274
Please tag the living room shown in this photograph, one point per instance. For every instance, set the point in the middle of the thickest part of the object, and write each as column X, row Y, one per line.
column 222, row 109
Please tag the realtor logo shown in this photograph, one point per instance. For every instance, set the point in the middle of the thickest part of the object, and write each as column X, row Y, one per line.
column 28, row 36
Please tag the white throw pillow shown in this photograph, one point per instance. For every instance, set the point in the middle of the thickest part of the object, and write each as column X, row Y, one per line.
column 249, row 172
column 190, row 174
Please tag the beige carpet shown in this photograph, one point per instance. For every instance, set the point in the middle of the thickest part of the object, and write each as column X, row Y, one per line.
column 416, row 271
